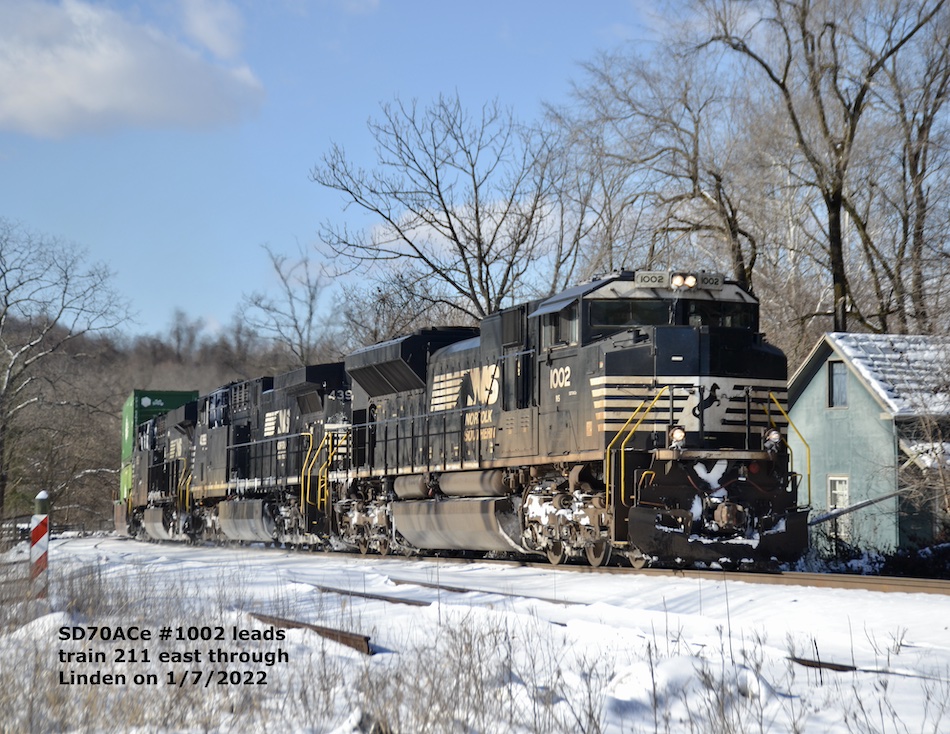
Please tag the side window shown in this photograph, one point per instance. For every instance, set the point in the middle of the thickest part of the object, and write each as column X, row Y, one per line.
column 838, row 497
column 837, row 385
column 569, row 325
column 549, row 329
column 561, row 328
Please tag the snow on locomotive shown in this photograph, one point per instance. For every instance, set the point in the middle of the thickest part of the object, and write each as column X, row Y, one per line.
column 639, row 415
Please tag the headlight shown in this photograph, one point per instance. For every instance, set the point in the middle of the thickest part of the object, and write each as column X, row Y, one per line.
column 773, row 436
column 677, row 436
column 683, row 280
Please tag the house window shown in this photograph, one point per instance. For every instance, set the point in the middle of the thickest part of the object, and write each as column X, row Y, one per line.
column 838, row 498
column 837, row 385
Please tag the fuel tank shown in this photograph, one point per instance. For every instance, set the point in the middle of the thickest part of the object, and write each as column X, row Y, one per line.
column 154, row 523
column 481, row 524
column 247, row 520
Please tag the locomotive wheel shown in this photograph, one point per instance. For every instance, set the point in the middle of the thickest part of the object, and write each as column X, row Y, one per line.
column 637, row 559
column 598, row 553
column 363, row 545
column 557, row 553
column 383, row 547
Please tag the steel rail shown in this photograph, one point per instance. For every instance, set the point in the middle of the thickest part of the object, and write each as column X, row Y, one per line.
column 374, row 597
column 885, row 584
column 350, row 639
column 467, row 590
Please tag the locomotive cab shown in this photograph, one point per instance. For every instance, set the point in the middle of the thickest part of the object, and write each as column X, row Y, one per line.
column 664, row 355
column 698, row 344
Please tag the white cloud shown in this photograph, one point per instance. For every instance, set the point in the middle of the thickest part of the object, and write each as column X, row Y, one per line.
column 215, row 24
column 77, row 66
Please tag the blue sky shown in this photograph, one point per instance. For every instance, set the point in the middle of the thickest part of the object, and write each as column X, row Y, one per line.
column 172, row 140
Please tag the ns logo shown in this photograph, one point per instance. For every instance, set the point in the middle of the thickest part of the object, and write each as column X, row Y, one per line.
column 465, row 388
column 479, row 387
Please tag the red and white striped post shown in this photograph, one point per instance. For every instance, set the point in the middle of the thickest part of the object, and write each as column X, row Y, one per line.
column 39, row 546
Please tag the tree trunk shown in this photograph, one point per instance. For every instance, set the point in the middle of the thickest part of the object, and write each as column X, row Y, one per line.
column 836, row 254
column 3, row 467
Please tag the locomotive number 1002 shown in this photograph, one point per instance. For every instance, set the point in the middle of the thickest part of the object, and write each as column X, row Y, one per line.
column 560, row 377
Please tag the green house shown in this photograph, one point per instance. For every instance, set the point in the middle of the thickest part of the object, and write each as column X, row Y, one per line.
column 873, row 411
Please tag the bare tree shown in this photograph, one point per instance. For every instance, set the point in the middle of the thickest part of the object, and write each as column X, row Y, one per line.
column 673, row 130
column 239, row 350
column 598, row 202
column 184, row 333
column 458, row 200
column 822, row 58
column 924, row 474
column 387, row 307
column 68, row 442
column 49, row 300
column 923, row 439
column 913, row 262
column 293, row 318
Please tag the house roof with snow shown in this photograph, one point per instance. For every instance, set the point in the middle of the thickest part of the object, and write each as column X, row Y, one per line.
column 909, row 375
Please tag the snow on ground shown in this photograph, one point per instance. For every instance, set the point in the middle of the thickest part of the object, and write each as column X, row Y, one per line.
column 592, row 652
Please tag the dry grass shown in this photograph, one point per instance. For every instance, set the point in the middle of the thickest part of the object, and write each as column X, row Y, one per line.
column 473, row 671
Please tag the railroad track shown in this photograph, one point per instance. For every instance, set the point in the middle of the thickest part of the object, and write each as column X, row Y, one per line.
column 373, row 597
column 846, row 581
column 466, row 590
column 886, row 584
column 360, row 643
column 363, row 644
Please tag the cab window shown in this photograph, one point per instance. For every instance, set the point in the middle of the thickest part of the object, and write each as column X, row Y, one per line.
column 720, row 313
column 611, row 316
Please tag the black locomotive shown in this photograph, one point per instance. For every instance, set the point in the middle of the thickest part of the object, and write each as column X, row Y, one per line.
column 640, row 415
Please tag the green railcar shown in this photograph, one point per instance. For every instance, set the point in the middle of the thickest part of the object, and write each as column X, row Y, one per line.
column 139, row 407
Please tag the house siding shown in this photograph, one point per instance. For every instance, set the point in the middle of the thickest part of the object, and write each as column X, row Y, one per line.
column 857, row 442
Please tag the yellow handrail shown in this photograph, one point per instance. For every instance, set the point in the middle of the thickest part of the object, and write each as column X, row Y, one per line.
column 312, row 460
column 623, row 445
column 610, row 448
column 323, row 478
column 304, row 471
column 800, row 438
column 184, row 486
